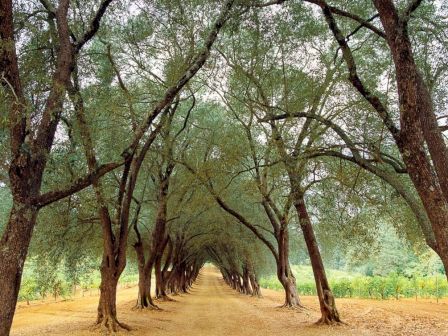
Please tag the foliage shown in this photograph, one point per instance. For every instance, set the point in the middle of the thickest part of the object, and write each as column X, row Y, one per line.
column 45, row 281
column 350, row 285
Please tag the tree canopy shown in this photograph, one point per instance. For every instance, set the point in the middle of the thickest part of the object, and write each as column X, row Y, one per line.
column 161, row 135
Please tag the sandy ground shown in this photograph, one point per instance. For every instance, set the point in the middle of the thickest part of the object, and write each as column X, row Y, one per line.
column 212, row 308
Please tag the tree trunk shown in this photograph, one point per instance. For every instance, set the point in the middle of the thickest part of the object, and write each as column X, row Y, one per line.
column 183, row 282
column 327, row 303
column 13, row 250
column 419, row 128
column 246, row 282
column 107, row 310
column 284, row 273
column 144, row 299
column 165, row 273
column 160, row 281
column 256, row 291
column 289, row 285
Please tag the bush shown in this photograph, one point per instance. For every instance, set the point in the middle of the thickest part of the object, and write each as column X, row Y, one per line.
column 307, row 288
column 374, row 287
column 342, row 288
column 28, row 290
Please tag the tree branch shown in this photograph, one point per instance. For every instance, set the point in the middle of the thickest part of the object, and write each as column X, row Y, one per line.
column 196, row 65
column 94, row 25
column 349, row 15
column 412, row 7
column 80, row 184
column 231, row 211
column 354, row 78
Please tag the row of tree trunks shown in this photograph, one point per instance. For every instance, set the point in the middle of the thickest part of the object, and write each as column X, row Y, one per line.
column 178, row 279
column 182, row 277
column 244, row 281
column 114, row 255
column 280, row 232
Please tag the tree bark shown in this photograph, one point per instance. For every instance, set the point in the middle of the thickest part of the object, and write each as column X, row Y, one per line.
column 417, row 119
column 284, row 273
column 327, row 303
column 160, row 280
column 144, row 299
column 246, row 281
column 256, row 291
column 14, row 246
column 413, row 93
column 418, row 127
column 107, row 310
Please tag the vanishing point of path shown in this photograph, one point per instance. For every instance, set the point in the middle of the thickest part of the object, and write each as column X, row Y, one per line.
column 212, row 308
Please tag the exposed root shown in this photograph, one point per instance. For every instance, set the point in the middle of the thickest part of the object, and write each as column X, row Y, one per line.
column 293, row 307
column 149, row 306
column 165, row 298
column 110, row 326
column 328, row 321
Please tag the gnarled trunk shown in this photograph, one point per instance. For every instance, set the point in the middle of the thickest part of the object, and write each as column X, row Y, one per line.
column 14, row 247
column 246, row 282
column 284, row 273
column 256, row 291
column 327, row 303
column 107, row 309
column 289, row 285
column 144, row 299
column 160, row 281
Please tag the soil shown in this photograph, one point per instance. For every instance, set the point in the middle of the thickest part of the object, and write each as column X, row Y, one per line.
column 212, row 308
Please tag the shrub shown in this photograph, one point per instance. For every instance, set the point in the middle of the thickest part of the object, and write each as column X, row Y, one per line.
column 375, row 287
column 28, row 290
column 342, row 288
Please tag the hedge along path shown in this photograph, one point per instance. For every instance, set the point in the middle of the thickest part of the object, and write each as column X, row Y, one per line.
column 212, row 308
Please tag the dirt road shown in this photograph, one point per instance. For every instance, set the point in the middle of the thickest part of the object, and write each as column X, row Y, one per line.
column 212, row 309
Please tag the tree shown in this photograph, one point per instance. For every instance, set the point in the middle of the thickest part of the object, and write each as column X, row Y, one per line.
column 31, row 143
column 418, row 122
column 115, row 241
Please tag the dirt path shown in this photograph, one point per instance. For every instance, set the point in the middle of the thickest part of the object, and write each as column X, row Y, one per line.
column 212, row 309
